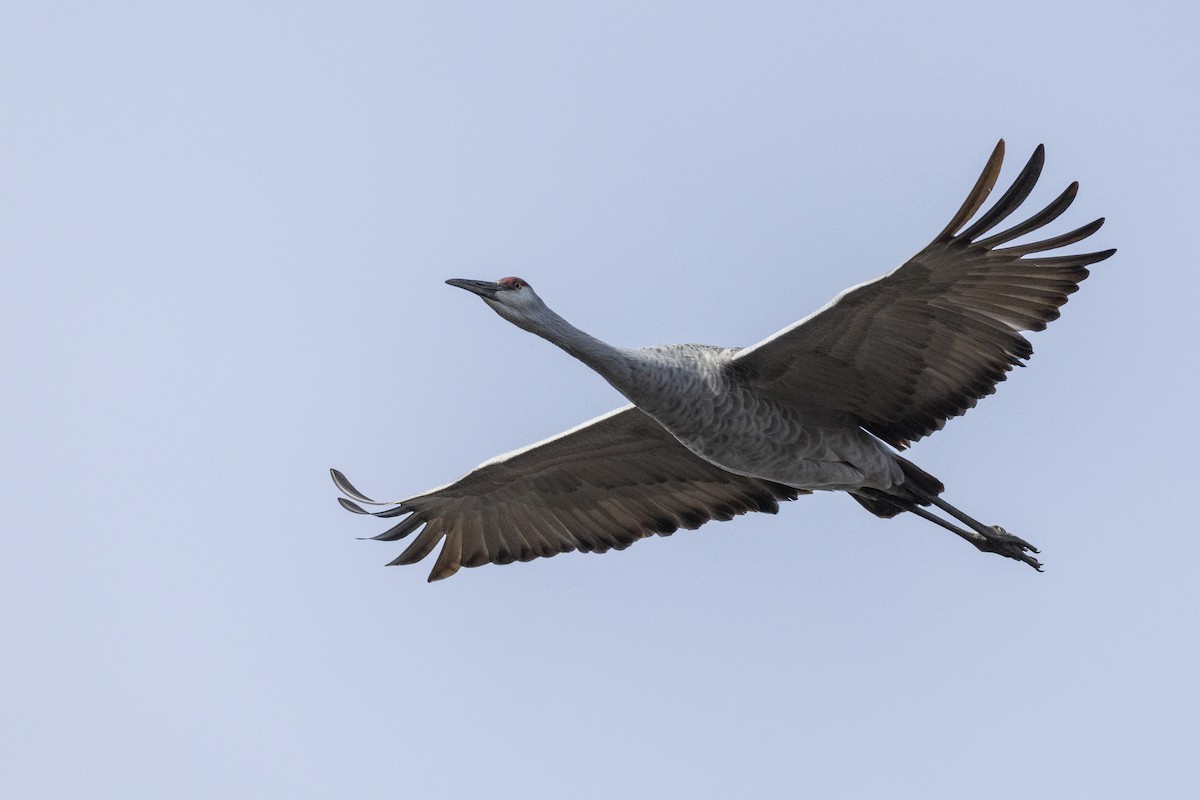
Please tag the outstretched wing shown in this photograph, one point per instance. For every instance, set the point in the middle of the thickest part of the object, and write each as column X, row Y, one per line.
column 602, row 485
column 909, row 350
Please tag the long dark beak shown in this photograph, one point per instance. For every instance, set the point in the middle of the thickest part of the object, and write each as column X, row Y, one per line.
column 486, row 289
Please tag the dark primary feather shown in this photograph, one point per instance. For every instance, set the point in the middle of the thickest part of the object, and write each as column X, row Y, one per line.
column 600, row 486
column 906, row 352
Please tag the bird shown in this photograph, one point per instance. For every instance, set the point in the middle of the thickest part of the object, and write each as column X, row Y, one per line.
column 826, row 404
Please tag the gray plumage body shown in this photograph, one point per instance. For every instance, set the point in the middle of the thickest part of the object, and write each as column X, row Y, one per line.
column 699, row 395
column 824, row 404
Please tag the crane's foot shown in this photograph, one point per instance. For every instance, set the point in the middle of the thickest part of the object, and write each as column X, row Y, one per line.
column 986, row 538
column 1001, row 542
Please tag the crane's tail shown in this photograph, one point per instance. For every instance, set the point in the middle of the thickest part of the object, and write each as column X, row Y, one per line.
column 918, row 487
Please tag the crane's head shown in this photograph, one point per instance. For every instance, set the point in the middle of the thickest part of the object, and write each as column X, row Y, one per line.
column 511, row 298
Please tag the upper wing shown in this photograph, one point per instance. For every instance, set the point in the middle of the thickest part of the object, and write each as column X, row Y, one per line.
column 909, row 350
column 602, row 485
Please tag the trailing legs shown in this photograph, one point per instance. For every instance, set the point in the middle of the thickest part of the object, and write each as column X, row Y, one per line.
column 986, row 538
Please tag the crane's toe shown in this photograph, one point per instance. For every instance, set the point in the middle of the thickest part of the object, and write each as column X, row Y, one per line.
column 1003, row 543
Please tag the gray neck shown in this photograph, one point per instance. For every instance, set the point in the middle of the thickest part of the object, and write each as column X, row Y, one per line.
column 613, row 363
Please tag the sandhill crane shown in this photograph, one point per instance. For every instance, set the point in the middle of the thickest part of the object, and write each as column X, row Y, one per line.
column 824, row 404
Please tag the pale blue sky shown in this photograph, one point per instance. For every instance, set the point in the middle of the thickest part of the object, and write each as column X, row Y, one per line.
column 224, row 231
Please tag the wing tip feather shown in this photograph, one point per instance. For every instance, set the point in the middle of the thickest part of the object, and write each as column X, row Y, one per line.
column 351, row 506
column 978, row 194
column 346, row 487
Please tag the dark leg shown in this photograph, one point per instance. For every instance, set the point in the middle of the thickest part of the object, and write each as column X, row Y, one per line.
column 986, row 538
column 996, row 539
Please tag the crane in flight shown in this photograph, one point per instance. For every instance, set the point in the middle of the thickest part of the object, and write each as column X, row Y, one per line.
column 824, row 404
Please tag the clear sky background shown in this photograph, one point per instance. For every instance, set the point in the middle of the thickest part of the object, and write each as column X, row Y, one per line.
column 224, row 230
